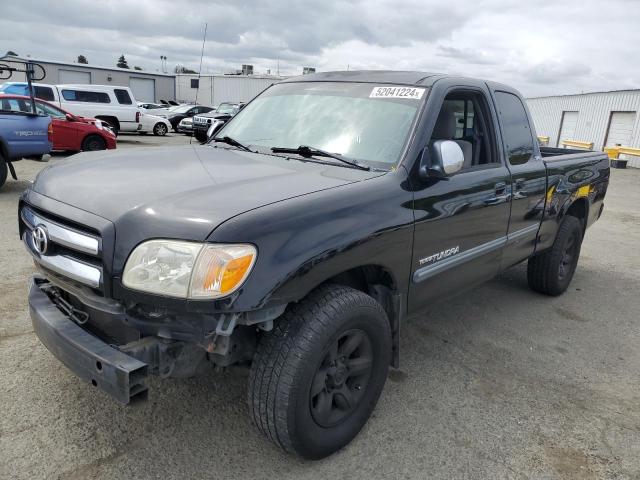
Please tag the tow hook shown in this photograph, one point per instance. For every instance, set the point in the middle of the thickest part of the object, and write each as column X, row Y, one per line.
column 73, row 313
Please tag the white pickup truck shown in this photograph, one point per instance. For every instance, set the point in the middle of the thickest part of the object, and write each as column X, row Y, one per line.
column 114, row 105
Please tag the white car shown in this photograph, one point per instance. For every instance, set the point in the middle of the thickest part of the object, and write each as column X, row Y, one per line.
column 185, row 126
column 154, row 109
column 113, row 105
column 154, row 124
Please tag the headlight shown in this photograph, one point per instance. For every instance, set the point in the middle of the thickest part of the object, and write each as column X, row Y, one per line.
column 187, row 269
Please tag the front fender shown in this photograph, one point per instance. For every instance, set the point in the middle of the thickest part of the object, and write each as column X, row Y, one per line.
column 306, row 240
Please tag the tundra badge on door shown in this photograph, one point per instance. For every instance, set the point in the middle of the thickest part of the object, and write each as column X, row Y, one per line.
column 440, row 255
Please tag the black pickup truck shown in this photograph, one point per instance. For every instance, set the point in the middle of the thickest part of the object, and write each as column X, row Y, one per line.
column 324, row 213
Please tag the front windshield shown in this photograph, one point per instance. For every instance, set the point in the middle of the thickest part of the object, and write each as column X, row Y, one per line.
column 227, row 108
column 362, row 121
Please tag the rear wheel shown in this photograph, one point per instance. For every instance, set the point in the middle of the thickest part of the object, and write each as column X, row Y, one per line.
column 316, row 377
column 93, row 143
column 160, row 129
column 550, row 272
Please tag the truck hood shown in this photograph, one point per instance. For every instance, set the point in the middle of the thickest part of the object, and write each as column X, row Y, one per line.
column 183, row 192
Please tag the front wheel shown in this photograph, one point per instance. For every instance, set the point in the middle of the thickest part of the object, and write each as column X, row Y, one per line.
column 551, row 271
column 317, row 376
column 93, row 143
column 160, row 129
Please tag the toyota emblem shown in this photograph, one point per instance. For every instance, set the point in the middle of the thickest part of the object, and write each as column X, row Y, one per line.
column 40, row 239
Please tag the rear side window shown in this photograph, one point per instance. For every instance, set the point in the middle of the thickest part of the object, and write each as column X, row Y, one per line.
column 515, row 128
column 84, row 96
column 45, row 93
column 123, row 97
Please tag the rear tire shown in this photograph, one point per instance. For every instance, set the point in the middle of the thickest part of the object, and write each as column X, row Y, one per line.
column 317, row 376
column 551, row 271
column 93, row 143
column 4, row 170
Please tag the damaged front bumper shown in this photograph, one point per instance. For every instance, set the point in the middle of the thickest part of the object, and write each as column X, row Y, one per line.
column 115, row 348
column 91, row 359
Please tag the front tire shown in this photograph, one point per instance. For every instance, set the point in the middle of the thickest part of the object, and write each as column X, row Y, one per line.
column 160, row 129
column 551, row 271
column 317, row 376
column 93, row 143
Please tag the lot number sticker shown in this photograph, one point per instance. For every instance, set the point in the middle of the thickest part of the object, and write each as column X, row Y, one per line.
column 397, row 92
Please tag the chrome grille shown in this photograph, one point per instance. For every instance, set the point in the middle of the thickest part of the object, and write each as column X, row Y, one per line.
column 63, row 249
column 201, row 120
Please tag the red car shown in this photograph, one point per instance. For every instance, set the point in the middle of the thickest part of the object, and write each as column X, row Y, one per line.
column 70, row 132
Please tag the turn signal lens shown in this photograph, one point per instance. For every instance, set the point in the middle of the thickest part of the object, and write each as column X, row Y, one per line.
column 221, row 270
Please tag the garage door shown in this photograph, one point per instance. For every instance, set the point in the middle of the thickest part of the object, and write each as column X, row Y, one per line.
column 567, row 127
column 74, row 76
column 144, row 89
column 620, row 129
column 621, row 133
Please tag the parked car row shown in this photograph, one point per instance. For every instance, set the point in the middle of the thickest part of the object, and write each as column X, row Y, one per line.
column 114, row 106
column 90, row 117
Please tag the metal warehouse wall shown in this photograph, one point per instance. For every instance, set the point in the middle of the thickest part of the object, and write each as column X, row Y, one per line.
column 164, row 84
column 215, row 89
column 594, row 114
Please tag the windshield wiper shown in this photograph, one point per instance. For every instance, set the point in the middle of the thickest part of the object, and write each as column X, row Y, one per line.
column 232, row 142
column 307, row 151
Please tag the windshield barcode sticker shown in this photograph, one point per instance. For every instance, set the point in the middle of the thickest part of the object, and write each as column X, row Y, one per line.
column 397, row 92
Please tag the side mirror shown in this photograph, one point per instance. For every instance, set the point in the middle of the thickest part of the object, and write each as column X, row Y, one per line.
column 444, row 158
column 70, row 118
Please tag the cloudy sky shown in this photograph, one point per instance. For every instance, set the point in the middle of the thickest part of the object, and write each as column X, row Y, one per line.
column 541, row 47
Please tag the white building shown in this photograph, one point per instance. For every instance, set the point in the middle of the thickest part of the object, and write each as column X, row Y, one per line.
column 604, row 118
column 146, row 86
column 217, row 88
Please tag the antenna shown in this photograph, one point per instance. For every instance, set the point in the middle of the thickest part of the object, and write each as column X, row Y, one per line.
column 204, row 39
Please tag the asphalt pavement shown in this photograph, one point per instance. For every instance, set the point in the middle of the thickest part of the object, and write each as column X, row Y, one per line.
column 498, row 383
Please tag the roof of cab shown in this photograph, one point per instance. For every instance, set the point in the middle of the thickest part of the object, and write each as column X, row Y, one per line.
column 370, row 76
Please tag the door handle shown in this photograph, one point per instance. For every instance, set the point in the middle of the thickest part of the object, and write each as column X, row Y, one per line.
column 520, row 183
column 500, row 196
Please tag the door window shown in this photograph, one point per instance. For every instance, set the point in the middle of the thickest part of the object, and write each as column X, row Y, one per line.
column 45, row 93
column 85, row 96
column 123, row 96
column 16, row 105
column 515, row 128
column 464, row 119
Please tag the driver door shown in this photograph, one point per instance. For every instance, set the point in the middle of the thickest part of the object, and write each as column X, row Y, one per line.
column 461, row 220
